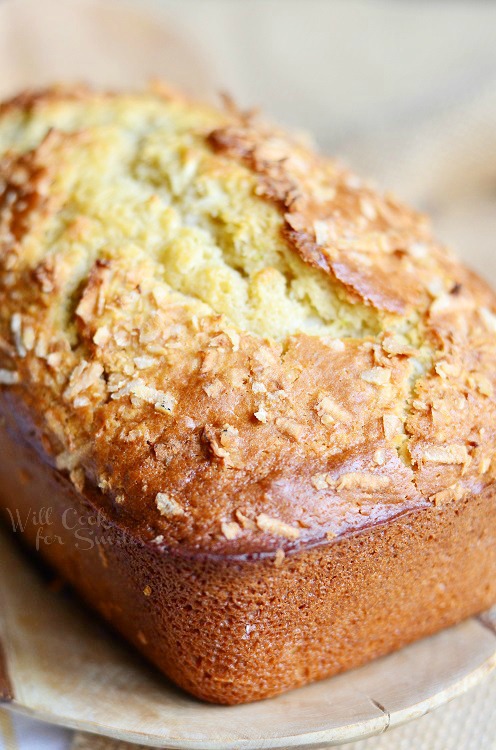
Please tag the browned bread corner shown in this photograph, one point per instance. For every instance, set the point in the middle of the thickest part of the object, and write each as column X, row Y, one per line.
column 268, row 381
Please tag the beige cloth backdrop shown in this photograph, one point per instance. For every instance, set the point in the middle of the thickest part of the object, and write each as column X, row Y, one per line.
column 404, row 90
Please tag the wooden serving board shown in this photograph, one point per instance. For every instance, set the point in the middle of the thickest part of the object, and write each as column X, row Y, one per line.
column 58, row 663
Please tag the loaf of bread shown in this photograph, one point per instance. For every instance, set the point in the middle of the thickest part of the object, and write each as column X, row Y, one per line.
column 255, row 393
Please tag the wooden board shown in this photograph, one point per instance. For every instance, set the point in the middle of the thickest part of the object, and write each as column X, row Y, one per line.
column 61, row 665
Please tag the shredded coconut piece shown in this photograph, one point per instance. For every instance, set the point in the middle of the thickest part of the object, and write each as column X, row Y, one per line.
column 28, row 338
column 447, row 370
column 167, row 506
column 290, row 427
column 418, row 250
column 258, row 387
column 379, row 456
column 8, row 377
column 331, row 412
column 279, row 558
column 357, row 480
column 231, row 530
column 16, row 328
column 393, row 426
column 246, row 523
column 261, row 414
column 485, row 465
column 67, row 460
column 455, row 492
column 335, row 344
column 377, row 376
column 54, row 359
column 162, row 401
column 395, row 344
column 321, row 230
column 481, row 383
column 320, row 481
column 102, row 336
column 84, row 375
column 78, row 478
column 143, row 362
column 368, row 209
column 276, row 527
column 488, row 318
column 234, row 338
column 449, row 454
column 214, row 389
column 80, row 402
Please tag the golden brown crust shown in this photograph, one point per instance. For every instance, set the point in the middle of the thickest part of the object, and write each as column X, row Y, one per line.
column 149, row 391
column 231, row 631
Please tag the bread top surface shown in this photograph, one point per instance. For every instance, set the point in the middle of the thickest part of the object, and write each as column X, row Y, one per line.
column 243, row 345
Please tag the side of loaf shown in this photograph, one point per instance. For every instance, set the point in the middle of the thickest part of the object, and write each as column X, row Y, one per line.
column 269, row 383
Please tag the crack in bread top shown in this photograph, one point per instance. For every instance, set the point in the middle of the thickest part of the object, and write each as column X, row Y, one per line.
column 241, row 344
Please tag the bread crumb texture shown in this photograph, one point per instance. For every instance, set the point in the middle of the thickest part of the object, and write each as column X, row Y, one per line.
column 245, row 347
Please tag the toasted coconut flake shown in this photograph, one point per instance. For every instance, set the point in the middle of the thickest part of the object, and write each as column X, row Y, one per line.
column 214, row 389
column 279, row 558
column 437, row 287
column 447, row 370
column 454, row 492
column 488, row 318
column 319, row 481
column 322, row 234
column 78, row 478
column 393, row 426
column 379, row 456
column 258, row 387
column 485, row 465
column 480, row 383
column 84, row 376
column 144, row 362
column 246, row 523
column 446, row 454
column 420, row 405
column 234, row 338
column 395, row 344
column 162, row 401
column 67, row 460
column 261, row 415
column 28, row 338
column 368, row 209
column 8, row 377
column 102, row 336
column 276, row 527
column 332, row 343
column 290, row 427
column 80, row 402
column 377, row 376
column 331, row 412
column 418, row 250
column 231, row 530
column 365, row 481
column 16, row 328
column 167, row 506
column 54, row 359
